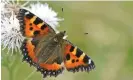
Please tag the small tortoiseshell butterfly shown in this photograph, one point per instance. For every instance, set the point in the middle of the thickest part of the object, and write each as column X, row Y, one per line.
column 47, row 50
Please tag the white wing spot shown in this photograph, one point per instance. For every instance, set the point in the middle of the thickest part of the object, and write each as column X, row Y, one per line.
column 44, row 71
column 23, row 49
column 89, row 61
column 27, row 13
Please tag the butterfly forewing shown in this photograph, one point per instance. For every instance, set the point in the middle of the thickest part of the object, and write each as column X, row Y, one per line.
column 33, row 26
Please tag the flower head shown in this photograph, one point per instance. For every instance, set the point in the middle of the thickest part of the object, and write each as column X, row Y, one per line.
column 7, row 7
column 10, row 34
column 11, row 38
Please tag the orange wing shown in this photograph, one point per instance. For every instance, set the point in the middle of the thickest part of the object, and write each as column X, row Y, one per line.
column 29, row 56
column 31, row 25
column 76, row 60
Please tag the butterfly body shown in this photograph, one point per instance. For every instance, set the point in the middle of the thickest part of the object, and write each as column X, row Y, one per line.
column 47, row 50
column 50, row 48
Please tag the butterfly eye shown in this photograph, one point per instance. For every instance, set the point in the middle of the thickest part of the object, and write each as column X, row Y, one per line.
column 55, row 39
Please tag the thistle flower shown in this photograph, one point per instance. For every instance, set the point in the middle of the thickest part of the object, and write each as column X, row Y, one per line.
column 11, row 37
column 10, row 34
column 7, row 7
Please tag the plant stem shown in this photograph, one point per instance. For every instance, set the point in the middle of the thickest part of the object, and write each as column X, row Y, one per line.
column 10, row 73
column 31, row 74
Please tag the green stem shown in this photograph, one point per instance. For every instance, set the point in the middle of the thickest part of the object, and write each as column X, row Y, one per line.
column 31, row 74
column 10, row 73
column 15, row 64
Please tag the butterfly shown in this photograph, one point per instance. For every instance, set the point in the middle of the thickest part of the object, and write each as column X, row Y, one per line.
column 46, row 50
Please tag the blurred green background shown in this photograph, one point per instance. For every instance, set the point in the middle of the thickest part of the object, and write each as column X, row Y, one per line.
column 109, row 41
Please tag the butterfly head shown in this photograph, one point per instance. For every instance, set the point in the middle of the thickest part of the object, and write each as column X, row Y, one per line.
column 59, row 36
column 62, row 33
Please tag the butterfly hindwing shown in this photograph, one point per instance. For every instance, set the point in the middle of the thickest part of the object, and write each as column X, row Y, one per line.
column 53, row 65
column 76, row 60
column 27, row 49
column 31, row 25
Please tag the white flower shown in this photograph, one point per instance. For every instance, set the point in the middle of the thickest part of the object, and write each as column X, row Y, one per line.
column 10, row 34
column 7, row 7
column 46, row 13
column 11, row 38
